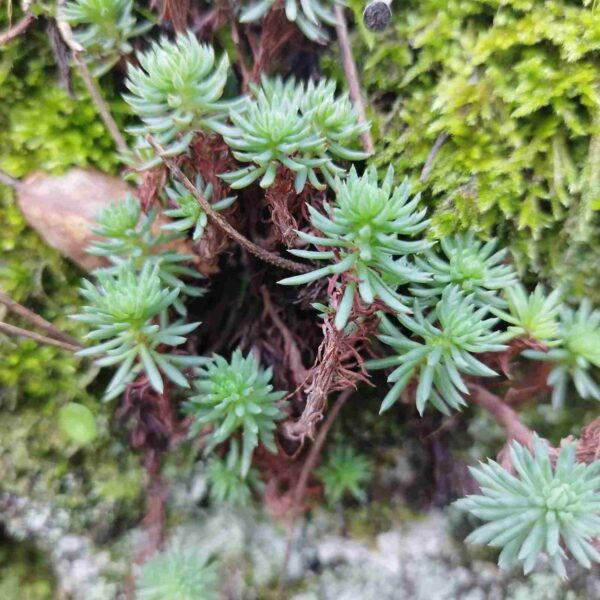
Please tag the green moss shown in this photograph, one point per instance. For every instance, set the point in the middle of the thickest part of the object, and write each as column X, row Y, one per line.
column 43, row 127
column 24, row 574
column 367, row 521
column 515, row 87
column 38, row 461
column 38, row 276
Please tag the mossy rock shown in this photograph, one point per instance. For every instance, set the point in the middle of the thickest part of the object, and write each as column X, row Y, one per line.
column 45, row 128
column 508, row 92
column 24, row 572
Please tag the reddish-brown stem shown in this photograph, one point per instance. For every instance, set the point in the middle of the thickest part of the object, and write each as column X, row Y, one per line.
column 36, row 320
column 91, row 85
column 42, row 339
column 439, row 142
column 100, row 103
column 307, row 468
column 276, row 32
column 504, row 415
column 351, row 73
column 21, row 27
column 220, row 221
column 297, row 368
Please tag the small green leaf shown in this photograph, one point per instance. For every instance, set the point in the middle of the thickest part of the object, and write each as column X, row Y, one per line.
column 77, row 422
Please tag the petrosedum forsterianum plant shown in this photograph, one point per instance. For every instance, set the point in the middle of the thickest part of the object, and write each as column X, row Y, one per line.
column 309, row 15
column 449, row 338
column 177, row 574
column 177, row 89
column 345, row 472
column 331, row 116
column 128, row 238
column 226, row 483
column 334, row 118
column 187, row 213
column 233, row 396
column 576, row 353
column 104, row 28
column 302, row 126
column 126, row 313
column 478, row 268
column 533, row 316
column 269, row 131
column 365, row 230
column 538, row 509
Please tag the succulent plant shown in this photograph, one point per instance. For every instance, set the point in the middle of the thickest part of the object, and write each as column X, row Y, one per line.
column 577, row 352
column 188, row 213
column 226, row 484
column 309, row 15
column 333, row 118
column 477, row 267
column 236, row 396
column 122, row 311
column 301, row 126
column 365, row 233
column 345, row 472
column 534, row 316
column 127, row 237
column 177, row 574
column 445, row 351
column 177, row 89
column 533, row 512
column 104, row 28
column 268, row 132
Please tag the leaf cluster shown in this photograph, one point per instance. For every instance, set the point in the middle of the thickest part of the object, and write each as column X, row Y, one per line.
column 236, row 396
column 104, row 29
column 122, row 311
column 187, row 214
column 344, row 472
column 367, row 232
column 541, row 509
column 311, row 16
column 448, row 338
column 177, row 88
column 476, row 267
column 533, row 316
column 226, row 483
column 576, row 353
column 300, row 126
column 178, row 573
column 130, row 237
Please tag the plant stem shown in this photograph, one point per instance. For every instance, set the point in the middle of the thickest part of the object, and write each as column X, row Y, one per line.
column 91, row 85
column 439, row 142
column 21, row 27
column 100, row 103
column 36, row 319
column 351, row 74
column 42, row 339
column 504, row 415
column 265, row 255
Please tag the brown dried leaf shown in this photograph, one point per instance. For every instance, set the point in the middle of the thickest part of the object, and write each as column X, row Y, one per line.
column 62, row 209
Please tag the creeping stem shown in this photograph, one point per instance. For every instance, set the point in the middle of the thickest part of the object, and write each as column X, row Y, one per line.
column 265, row 255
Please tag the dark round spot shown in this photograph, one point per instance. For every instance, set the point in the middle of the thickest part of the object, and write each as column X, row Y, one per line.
column 377, row 16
